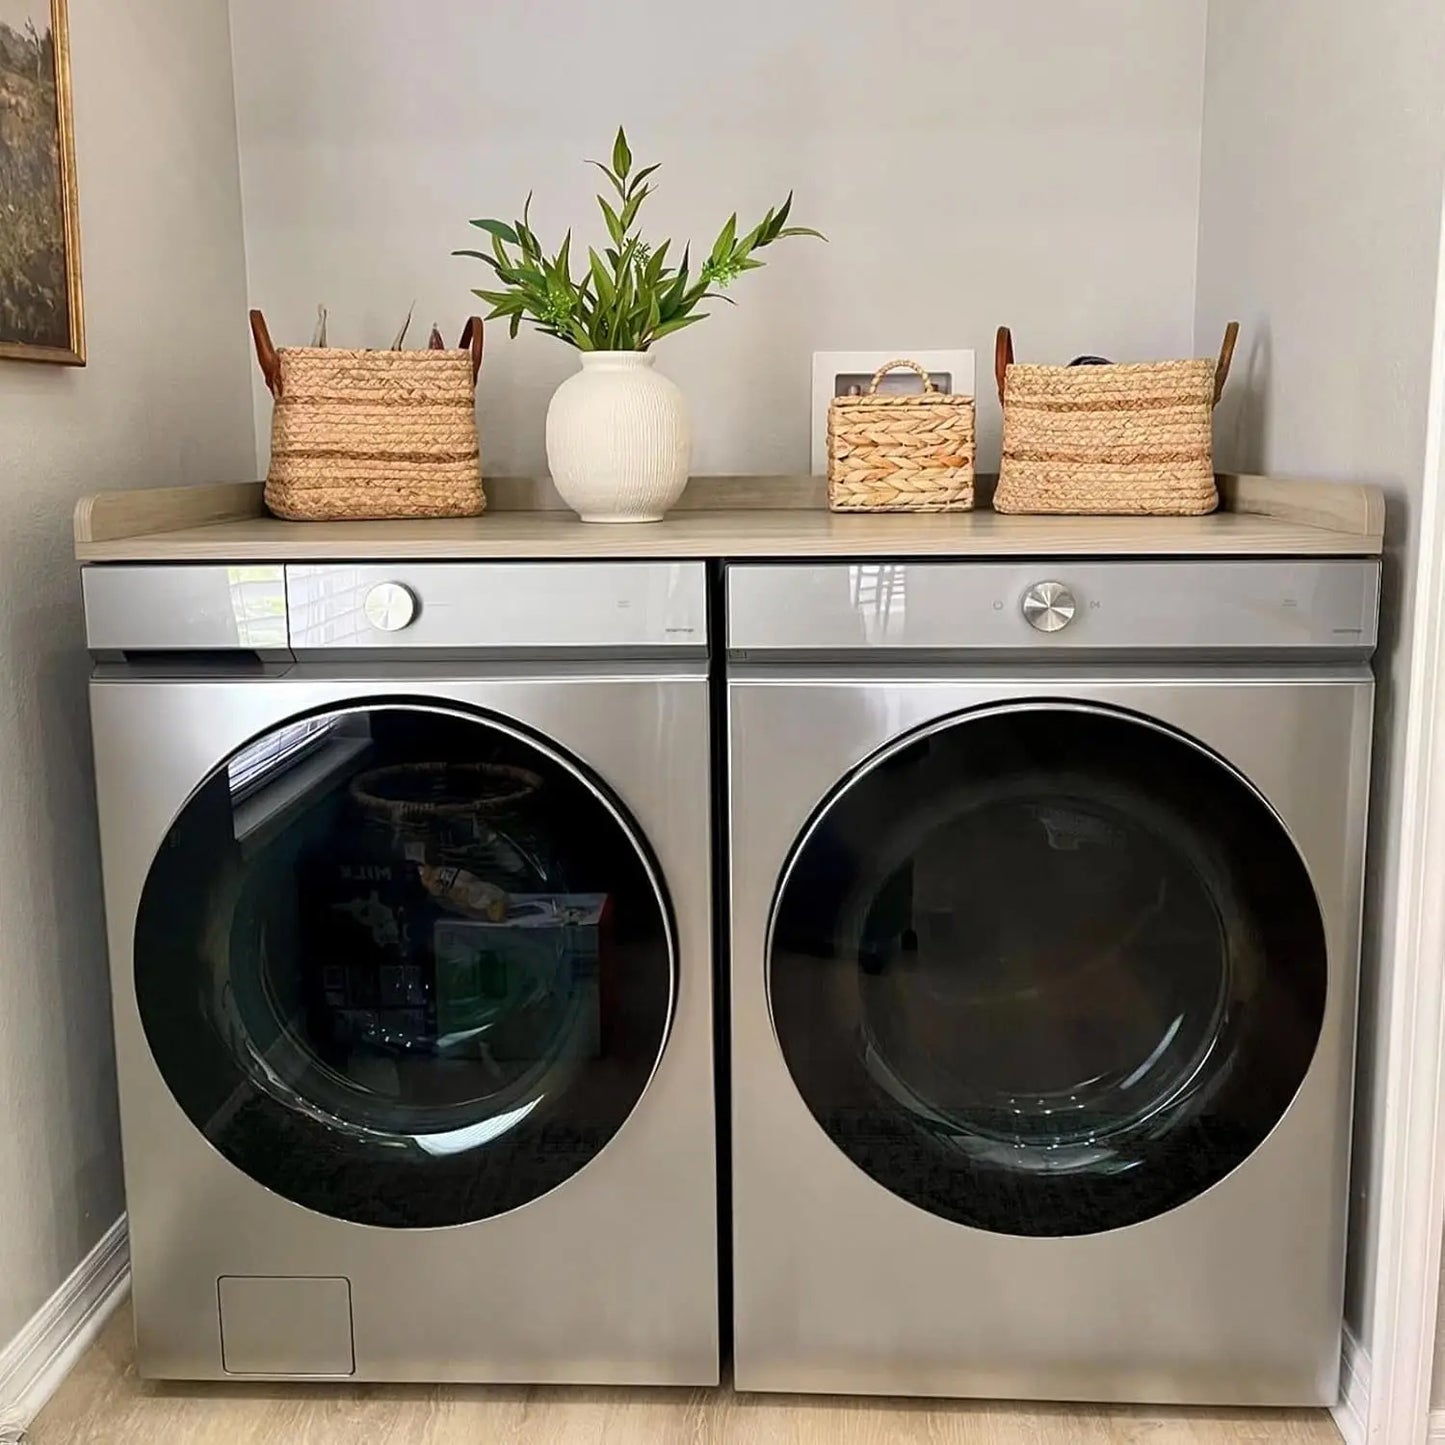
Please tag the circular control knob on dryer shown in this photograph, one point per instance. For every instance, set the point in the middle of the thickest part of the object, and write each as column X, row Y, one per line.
column 1049, row 606
column 390, row 606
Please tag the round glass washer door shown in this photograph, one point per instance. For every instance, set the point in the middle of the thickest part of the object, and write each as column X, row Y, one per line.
column 1047, row 970
column 404, row 964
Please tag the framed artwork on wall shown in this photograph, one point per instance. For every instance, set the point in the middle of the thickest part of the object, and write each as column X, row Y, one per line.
column 41, row 314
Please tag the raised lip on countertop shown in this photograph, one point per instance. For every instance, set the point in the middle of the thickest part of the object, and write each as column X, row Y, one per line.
column 727, row 516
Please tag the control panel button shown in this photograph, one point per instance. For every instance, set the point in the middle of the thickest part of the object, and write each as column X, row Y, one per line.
column 390, row 607
column 1049, row 606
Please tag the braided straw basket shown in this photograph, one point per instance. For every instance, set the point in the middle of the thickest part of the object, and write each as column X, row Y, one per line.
column 372, row 434
column 1109, row 439
column 900, row 453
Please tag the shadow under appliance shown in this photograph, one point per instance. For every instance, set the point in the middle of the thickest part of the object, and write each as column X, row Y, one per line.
column 406, row 873
column 1045, row 890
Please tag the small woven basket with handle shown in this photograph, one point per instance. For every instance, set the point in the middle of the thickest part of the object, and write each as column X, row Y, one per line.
column 372, row 434
column 909, row 453
column 1109, row 439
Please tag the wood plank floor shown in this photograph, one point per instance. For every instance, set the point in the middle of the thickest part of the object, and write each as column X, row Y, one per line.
column 103, row 1403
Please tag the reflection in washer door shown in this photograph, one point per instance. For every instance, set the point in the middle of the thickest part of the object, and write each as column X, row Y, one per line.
column 1047, row 970
column 404, row 965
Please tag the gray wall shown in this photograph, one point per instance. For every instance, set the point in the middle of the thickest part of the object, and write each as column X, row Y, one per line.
column 1324, row 151
column 164, row 400
column 974, row 163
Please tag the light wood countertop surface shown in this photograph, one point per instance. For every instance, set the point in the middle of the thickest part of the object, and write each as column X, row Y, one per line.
column 723, row 517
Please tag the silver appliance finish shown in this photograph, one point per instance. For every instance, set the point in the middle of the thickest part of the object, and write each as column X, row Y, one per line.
column 840, row 1285
column 611, row 1277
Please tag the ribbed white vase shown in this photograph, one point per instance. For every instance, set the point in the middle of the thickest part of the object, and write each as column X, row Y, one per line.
column 618, row 439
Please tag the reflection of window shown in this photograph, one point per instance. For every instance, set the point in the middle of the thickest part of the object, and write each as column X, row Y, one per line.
column 329, row 605
column 879, row 596
column 280, row 770
column 255, row 765
column 258, row 603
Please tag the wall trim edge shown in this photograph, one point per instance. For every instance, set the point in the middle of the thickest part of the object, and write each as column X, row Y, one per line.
column 1352, row 1414
column 1405, row 1254
column 33, row 1364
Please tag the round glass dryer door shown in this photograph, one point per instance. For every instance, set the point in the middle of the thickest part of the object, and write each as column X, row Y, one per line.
column 1047, row 970
column 405, row 965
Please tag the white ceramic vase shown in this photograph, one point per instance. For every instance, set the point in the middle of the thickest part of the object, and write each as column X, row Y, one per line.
column 618, row 439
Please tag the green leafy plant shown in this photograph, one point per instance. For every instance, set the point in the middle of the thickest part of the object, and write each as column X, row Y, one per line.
column 629, row 296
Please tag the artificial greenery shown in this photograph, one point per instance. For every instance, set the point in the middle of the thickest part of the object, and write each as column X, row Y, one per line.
column 629, row 296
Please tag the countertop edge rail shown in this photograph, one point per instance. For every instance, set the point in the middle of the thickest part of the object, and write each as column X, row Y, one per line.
column 105, row 521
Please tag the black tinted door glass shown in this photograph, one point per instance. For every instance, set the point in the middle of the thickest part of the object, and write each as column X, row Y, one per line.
column 1047, row 971
column 404, row 966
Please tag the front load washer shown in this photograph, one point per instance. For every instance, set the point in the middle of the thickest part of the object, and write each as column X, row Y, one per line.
column 407, row 884
column 1045, row 888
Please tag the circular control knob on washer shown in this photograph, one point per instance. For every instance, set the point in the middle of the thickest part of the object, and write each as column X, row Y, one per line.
column 1049, row 606
column 390, row 606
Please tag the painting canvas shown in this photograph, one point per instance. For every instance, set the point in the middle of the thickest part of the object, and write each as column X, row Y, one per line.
column 40, row 299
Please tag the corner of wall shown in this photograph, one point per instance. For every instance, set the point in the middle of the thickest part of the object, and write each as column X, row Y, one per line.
column 256, row 434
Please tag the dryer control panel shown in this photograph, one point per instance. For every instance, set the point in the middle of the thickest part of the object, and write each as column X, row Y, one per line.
column 1112, row 607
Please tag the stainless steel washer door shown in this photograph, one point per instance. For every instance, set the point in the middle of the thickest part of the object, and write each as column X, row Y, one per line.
column 405, row 964
column 1047, row 970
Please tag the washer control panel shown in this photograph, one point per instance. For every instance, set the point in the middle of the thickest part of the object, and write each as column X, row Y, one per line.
column 496, row 607
column 412, row 609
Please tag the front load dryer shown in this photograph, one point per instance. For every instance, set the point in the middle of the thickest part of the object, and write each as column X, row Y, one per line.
column 1045, row 890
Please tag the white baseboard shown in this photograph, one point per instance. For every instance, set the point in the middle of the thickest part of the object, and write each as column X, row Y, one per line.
column 1437, row 1427
column 34, row 1363
column 1352, row 1414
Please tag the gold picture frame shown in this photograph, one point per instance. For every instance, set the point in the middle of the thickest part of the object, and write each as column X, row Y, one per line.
column 42, row 315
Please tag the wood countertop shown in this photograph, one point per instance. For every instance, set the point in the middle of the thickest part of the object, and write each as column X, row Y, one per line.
column 723, row 517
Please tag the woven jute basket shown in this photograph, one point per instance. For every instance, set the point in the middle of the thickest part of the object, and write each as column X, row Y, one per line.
column 1133, row 439
column 910, row 453
column 372, row 434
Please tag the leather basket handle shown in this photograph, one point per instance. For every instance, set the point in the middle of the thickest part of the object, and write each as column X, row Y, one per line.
column 271, row 362
column 266, row 354
column 1226, row 356
column 472, row 341
column 1003, row 355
